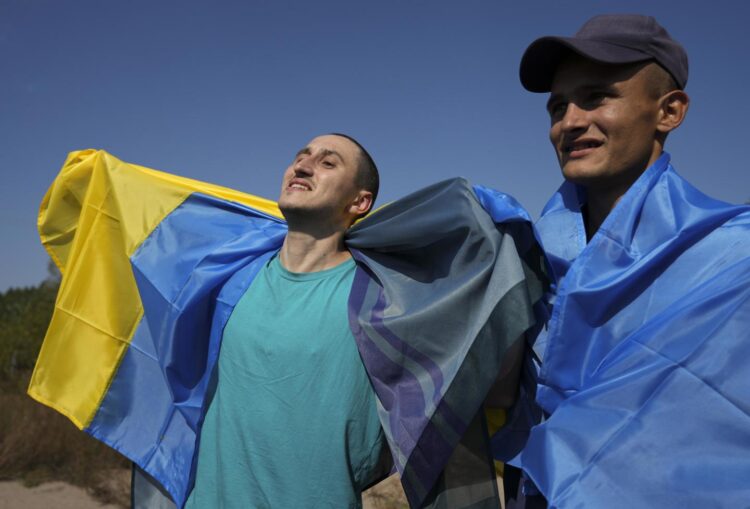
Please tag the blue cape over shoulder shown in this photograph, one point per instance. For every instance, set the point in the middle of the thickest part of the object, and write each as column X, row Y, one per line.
column 644, row 375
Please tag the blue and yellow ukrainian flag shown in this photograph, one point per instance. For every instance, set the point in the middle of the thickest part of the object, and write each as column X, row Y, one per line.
column 125, row 237
column 153, row 265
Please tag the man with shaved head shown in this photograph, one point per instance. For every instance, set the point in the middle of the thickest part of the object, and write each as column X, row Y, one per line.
column 293, row 419
column 267, row 367
column 640, row 373
column 293, row 445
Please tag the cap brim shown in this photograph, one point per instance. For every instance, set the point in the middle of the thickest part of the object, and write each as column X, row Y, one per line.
column 540, row 60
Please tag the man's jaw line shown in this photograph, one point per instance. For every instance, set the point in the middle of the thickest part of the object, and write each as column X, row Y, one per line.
column 314, row 222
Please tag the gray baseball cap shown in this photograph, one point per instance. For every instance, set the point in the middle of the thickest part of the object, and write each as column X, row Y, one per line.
column 608, row 39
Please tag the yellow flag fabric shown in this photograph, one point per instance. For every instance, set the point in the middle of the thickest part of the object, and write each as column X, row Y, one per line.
column 99, row 204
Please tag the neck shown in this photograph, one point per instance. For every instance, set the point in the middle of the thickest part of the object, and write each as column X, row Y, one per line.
column 600, row 200
column 598, row 207
column 312, row 252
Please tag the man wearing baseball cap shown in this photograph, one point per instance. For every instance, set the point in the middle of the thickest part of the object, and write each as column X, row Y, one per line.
column 642, row 375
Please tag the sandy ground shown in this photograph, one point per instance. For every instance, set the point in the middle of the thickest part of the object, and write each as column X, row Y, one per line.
column 14, row 495
column 387, row 494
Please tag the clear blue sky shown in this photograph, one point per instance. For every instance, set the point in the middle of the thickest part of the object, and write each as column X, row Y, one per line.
column 228, row 91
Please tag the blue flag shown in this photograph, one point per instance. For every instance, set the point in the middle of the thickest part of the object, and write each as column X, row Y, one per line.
column 644, row 375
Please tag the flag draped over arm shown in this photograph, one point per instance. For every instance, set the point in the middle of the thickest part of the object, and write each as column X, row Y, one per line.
column 447, row 281
column 153, row 265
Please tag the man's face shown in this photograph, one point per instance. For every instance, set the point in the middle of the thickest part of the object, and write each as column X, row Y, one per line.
column 321, row 181
column 604, row 121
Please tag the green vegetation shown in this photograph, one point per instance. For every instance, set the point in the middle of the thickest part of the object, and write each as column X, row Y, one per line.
column 24, row 316
column 36, row 443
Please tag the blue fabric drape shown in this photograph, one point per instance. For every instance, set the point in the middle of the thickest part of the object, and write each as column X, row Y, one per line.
column 644, row 373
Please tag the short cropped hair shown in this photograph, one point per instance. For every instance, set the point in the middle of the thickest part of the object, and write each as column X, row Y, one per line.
column 367, row 177
column 660, row 81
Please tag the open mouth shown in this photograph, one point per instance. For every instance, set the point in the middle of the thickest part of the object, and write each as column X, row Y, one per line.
column 580, row 148
column 300, row 185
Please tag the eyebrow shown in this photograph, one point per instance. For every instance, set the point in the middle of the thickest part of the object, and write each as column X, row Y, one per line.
column 301, row 151
column 324, row 153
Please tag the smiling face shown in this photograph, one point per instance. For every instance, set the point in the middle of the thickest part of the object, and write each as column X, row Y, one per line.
column 604, row 122
column 320, row 184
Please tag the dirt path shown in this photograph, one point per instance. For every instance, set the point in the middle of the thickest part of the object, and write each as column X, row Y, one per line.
column 14, row 495
column 386, row 495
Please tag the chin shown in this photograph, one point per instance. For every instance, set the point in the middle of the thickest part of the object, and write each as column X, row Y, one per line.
column 580, row 173
column 291, row 208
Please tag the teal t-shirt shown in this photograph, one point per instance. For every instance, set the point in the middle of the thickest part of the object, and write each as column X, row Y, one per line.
column 293, row 420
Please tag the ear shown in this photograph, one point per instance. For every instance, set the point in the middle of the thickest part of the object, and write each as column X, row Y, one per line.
column 673, row 107
column 361, row 204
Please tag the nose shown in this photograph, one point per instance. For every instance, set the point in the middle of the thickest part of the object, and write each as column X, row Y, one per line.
column 304, row 166
column 574, row 118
